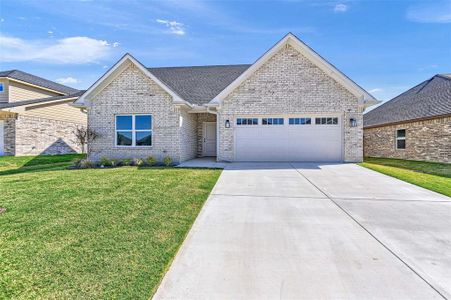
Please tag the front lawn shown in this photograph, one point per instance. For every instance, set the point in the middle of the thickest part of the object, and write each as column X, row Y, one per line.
column 95, row 233
column 432, row 176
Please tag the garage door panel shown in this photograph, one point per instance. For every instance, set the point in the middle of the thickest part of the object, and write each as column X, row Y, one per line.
column 288, row 143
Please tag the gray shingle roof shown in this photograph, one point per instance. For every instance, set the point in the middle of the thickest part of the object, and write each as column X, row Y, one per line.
column 36, row 80
column 428, row 99
column 41, row 100
column 198, row 84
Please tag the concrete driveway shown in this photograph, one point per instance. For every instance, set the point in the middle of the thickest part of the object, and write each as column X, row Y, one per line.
column 314, row 231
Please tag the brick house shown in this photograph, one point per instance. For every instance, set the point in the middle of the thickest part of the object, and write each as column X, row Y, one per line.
column 415, row 125
column 290, row 105
column 36, row 115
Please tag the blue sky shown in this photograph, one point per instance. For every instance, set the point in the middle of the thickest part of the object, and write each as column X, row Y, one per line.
column 385, row 46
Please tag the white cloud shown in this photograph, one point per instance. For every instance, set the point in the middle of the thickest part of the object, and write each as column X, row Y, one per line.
column 430, row 12
column 67, row 80
column 340, row 8
column 72, row 50
column 174, row 26
column 116, row 44
column 376, row 90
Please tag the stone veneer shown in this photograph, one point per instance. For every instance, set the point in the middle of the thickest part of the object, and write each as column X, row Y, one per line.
column 428, row 140
column 26, row 135
column 289, row 83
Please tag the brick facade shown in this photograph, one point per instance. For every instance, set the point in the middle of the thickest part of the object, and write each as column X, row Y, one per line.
column 26, row 135
column 428, row 140
column 289, row 83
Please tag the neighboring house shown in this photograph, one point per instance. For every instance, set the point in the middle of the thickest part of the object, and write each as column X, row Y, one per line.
column 36, row 116
column 290, row 105
column 415, row 125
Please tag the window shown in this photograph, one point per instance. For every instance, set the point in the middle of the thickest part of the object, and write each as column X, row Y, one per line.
column 247, row 121
column 2, row 88
column 272, row 121
column 326, row 121
column 401, row 139
column 300, row 121
column 134, row 130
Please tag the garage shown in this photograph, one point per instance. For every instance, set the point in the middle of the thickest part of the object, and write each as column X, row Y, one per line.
column 294, row 138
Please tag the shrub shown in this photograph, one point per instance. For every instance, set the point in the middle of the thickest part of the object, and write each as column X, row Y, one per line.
column 105, row 162
column 151, row 161
column 117, row 163
column 86, row 164
column 128, row 162
column 139, row 162
column 167, row 161
column 76, row 162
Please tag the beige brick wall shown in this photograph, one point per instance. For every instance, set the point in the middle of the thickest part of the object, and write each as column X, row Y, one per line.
column 27, row 135
column 132, row 92
column 188, row 135
column 289, row 84
column 428, row 140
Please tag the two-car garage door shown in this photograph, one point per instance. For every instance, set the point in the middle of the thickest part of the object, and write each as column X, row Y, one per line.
column 304, row 138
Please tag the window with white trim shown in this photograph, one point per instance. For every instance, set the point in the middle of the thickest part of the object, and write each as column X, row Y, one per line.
column 401, row 139
column 134, row 130
column 326, row 121
column 299, row 121
column 272, row 121
column 246, row 121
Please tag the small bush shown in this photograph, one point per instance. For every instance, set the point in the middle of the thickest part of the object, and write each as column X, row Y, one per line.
column 86, row 164
column 167, row 161
column 117, row 163
column 139, row 162
column 128, row 162
column 151, row 161
column 76, row 162
column 105, row 162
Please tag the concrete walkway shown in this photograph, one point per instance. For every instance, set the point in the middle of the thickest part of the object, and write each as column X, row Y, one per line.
column 314, row 231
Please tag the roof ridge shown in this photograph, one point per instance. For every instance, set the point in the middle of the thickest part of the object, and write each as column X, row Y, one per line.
column 444, row 76
column 199, row 66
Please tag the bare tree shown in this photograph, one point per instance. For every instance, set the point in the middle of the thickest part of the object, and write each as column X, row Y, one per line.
column 84, row 136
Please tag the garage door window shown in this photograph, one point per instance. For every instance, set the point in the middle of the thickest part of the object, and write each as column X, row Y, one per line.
column 300, row 121
column 326, row 121
column 401, row 139
column 247, row 121
column 272, row 121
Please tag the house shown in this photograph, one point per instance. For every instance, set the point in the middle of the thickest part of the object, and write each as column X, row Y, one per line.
column 415, row 125
column 36, row 116
column 290, row 105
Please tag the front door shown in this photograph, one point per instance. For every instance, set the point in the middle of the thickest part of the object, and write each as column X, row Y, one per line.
column 209, row 139
column 2, row 139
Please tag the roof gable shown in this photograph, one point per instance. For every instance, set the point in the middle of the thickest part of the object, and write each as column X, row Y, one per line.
column 116, row 70
column 364, row 97
column 428, row 99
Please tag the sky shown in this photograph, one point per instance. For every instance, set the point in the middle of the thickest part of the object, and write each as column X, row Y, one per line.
column 386, row 46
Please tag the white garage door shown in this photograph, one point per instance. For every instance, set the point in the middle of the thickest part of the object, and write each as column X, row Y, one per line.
column 288, row 139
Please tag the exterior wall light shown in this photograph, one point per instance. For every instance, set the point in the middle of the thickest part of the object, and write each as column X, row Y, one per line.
column 353, row 122
column 227, row 124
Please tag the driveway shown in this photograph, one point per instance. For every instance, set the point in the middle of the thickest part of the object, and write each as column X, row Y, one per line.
column 312, row 231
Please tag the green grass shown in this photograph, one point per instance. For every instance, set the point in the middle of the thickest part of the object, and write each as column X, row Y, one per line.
column 26, row 164
column 96, row 233
column 432, row 176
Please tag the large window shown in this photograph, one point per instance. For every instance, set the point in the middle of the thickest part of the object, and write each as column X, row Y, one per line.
column 401, row 139
column 2, row 87
column 134, row 130
column 326, row 121
column 247, row 121
column 299, row 121
column 272, row 121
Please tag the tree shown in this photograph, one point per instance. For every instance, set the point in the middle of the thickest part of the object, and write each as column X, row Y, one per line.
column 84, row 136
